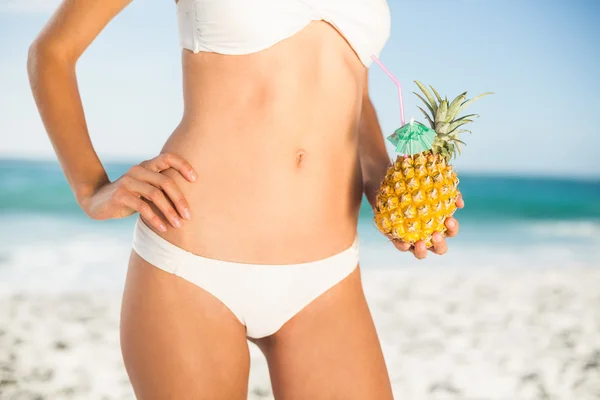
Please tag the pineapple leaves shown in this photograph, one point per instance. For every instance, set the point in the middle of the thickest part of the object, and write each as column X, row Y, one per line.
column 450, row 151
column 442, row 128
column 461, row 121
column 429, row 96
column 441, row 112
column 456, row 132
column 428, row 117
column 458, row 143
column 444, row 117
column 466, row 116
column 444, row 152
column 437, row 95
column 453, row 108
column 458, row 148
column 456, row 124
column 426, row 103
column 468, row 102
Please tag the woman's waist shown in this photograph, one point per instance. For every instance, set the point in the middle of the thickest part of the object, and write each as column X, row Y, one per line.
column 295, row 152
column 273, row 227
column 251, row 202
column 271, row 189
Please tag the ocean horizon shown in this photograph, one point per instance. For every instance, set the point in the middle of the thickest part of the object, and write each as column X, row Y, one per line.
column 508, row 221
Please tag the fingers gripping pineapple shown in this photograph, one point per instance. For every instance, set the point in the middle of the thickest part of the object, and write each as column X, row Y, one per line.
column 420, row 189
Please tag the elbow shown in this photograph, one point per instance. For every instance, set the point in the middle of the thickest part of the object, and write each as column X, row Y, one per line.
column 37, row 52
column 33, row 62
column 32, row 57
column 43, row 53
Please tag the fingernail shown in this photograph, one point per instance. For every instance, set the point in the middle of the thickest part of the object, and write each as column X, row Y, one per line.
column 450, row 224
column 187, row 214
column 435, row 238
column 177, row 222
column 193, row 175
column 162, row 227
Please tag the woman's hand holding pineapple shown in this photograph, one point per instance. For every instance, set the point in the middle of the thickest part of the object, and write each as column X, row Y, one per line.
column 419, row 249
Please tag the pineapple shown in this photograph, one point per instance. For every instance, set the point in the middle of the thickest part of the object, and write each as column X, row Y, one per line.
column 420, row 191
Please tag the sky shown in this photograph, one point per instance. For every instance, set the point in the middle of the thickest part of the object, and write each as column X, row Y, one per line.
column 540, row 57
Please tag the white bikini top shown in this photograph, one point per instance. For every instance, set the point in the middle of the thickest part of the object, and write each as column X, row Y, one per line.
column 247, row 26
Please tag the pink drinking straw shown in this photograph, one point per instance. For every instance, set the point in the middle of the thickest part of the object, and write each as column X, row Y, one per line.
column 397, row 82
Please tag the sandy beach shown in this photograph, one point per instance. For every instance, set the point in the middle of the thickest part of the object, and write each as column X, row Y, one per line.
column 469, row 334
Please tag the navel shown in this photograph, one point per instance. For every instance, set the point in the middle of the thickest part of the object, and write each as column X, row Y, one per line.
column 300, row 158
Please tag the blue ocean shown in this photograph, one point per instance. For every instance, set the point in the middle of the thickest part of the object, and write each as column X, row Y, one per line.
column 48, row 244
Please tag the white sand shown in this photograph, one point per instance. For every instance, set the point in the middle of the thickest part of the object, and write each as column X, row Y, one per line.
column 468, row 334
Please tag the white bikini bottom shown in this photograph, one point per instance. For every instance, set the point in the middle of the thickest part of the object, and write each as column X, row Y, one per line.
column 262, row 297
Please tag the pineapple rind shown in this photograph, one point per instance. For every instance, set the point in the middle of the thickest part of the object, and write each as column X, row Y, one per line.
column 425, row 201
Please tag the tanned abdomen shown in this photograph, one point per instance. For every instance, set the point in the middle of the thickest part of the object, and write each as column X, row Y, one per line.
column 273, row 139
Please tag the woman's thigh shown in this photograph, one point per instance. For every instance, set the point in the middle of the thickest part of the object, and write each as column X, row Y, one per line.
column 178, row 341
column 329, row 350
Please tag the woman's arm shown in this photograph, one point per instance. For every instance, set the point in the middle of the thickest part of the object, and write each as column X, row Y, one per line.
column 51, row 67
column 375, row 161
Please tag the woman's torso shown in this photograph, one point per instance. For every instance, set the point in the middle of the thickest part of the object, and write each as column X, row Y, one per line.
column 273, row 138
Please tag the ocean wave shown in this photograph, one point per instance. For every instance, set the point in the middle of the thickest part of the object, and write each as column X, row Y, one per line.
column 566, row 229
